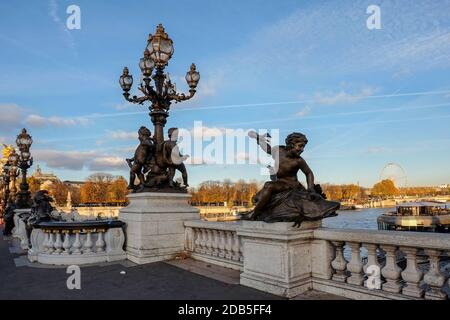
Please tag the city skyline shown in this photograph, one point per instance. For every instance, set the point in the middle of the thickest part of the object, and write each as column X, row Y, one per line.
column 364, row 98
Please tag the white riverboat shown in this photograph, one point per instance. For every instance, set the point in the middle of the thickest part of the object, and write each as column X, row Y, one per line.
column 417, row 216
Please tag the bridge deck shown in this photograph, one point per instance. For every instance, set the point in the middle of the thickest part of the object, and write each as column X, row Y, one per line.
column 180, row 280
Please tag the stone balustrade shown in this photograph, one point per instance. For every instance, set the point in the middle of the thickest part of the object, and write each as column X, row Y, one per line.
column 19, row 231
column 67, row 243
column 357, row 264
column 382, row 275
column 214, row 242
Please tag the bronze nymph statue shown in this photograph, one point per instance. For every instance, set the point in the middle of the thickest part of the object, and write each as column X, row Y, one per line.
column 285, row 199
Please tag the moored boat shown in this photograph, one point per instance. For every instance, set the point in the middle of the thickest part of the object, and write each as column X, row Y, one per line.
column 417, row 216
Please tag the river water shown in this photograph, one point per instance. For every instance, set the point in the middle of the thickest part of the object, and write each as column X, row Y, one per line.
column 355, row 219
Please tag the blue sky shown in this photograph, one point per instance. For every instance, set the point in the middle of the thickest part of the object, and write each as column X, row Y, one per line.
column 364, row 98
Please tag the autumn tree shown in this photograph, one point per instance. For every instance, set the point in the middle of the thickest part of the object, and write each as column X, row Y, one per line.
column 103, row 188
column 34, row 184
column 75, row 194
column 117, row 190
column 59, row 191
column 384, row 188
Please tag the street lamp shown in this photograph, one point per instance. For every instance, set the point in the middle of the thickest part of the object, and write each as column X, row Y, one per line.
column 157, row 54
column 24, row 142
column 13, row 159
column 6, row 181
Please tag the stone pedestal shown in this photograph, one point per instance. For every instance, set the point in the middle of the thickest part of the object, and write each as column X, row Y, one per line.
column 277, row 256
column 155, row 225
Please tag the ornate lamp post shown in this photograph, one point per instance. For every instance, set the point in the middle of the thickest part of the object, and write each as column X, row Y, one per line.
column 6, row 182
column 13, row 171
column 24, row 142
column 157, row 88
column 161, row 94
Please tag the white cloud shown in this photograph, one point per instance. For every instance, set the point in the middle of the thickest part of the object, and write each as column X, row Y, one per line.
column 77, row 160
column 11, row 116
column 306, row 110
column 39, row 121
column 343, row 97
column 122, row 135
column 71, row 160
column 124, row 106
column 107, row 163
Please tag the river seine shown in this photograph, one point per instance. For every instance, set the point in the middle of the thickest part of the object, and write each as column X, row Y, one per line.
column 355, row 219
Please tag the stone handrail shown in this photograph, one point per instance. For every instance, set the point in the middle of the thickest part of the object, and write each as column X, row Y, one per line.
column 382, row 275
column 66, row 243
column 214, row 242
column 283, row 260
column 20, row 231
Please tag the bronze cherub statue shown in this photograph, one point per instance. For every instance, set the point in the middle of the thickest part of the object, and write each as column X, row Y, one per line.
column 285, row 199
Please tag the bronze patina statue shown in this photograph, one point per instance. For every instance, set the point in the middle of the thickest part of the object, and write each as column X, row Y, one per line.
column 285, row 199
column 143, row 156
column 9, row 215
column 41, row 211
column 155, row 164
column 173, row 158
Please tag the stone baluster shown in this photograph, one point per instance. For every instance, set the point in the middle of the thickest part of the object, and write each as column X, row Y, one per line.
column 375, row 266
column 66, row 243
column 221, row 243
column 372, row 256
column 355, row 265
column 197, row 239
column 205, row 235
column 45, row 243
column 189, row 239
column 215, row 243
column 241, row 249
column 412, row 274
column 50, row 243
column 236, row 247
column 87, row 246
column 339, row 263
column 208, row 241
column 391, row 271
column 100, row 243
column 229, row 245
column 76, row 246
column 434, row 277
column 58, row 243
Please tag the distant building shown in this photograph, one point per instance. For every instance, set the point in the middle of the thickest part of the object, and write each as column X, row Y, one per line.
column 45, row 179
column 444, row 186
column 75, row 184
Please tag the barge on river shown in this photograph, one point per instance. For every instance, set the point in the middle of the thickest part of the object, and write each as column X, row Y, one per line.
column 417, row 216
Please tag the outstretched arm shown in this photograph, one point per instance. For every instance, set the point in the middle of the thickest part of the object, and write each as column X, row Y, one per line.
column 262, row 141
column 308, row 173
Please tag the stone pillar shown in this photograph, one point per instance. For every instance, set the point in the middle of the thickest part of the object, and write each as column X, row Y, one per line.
column 155, row 225
column 277, row 257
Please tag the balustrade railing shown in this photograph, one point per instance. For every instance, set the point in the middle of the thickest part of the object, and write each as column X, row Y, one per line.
column 215, row 242
column 395, row 278
column 64, row 243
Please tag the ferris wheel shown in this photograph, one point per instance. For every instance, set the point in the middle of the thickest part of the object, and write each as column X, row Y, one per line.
column 395, row 173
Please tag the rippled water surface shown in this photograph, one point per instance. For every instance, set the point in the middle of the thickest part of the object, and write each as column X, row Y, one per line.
column 355, row 219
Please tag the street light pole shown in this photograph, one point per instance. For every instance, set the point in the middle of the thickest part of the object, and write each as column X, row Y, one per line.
column 24, row 142
column 162, row 93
